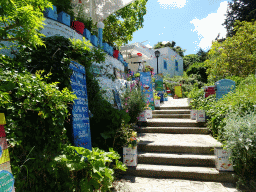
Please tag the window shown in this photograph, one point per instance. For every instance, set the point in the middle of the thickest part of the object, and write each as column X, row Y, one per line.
column 165, row 64
column 176, row 65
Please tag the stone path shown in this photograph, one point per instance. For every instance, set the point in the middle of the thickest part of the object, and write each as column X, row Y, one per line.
column 159, row 138
column 141, row 184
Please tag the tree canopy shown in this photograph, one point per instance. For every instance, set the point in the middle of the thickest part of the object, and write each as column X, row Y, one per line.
column 236, row 55
column 172, row 44
column 242, row 10
column 21, row 20
column 120, row 26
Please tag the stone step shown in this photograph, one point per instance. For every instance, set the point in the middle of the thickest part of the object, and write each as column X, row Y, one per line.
column 172, row 107
column 176, row 159
column 181, row 172
column 167, row 122
column 181, row 116
column 178, row 111
column 174, row 130
column 177, row 143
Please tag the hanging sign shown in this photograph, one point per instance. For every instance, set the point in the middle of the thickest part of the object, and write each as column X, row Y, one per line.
column 80, row 112
column 146, row 88
column 6, row 177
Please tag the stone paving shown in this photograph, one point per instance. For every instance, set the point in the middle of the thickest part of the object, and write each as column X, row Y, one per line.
column 142, row 184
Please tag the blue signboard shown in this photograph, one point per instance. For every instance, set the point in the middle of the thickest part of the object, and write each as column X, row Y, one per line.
column 117, row 99
column 223, row 87
column 146, row 88
column 159, row 83
column 80, row 111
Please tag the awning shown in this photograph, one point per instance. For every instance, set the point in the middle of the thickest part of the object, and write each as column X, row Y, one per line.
column 135, row 50
column 99, row 10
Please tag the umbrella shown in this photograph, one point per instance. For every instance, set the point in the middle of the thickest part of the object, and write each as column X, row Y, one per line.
column 98, row 10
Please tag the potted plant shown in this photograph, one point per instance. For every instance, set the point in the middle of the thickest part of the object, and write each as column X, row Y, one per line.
column 130, row 151
column 165, row 97
column 115, row 52
column 64, row 18
column 148, row 111
column 156, row 100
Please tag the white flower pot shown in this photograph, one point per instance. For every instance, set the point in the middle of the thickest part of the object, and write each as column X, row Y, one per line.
column 193, row 114
column 157, row 103
column 142, row 116
column 149, row 113
column 222, row 161
column 130, row 157
column 200, row 116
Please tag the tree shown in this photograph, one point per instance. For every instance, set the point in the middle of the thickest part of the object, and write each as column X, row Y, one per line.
column 242, row 10
column 236, row 55
column 21, row 20
column 172, row 44
column 120, row 26
column 188, row 60
column 202, row 55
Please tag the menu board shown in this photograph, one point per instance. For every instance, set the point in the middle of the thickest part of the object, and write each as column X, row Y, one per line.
column 80, row 111
column 146, row 88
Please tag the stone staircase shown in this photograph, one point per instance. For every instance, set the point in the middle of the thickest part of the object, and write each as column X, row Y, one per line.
column 174, row 146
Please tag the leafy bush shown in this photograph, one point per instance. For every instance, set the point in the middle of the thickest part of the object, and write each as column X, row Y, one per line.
column 35, row 115
column 91, row 169
column 241, row 100
column 200, row 70
column 239, row 135
column 37, row 112
column 133, row 102
column 185, row 81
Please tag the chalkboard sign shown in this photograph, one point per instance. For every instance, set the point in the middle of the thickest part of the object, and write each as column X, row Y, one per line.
column 80, row 111
column 224, row 86
column 146, row 88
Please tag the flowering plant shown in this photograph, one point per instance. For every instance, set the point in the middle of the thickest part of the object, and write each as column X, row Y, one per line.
column 133, row 140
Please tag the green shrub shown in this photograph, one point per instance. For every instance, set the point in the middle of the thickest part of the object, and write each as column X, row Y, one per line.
column 239, row 135
column 133, row 102
column 200, row 70
column 35, row 115
column 92, row 170
column 186, row 82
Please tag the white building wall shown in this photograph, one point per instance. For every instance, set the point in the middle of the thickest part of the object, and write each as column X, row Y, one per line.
column 53, row 27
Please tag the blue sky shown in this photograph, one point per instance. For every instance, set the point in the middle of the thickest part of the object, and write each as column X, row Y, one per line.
column 190, row 23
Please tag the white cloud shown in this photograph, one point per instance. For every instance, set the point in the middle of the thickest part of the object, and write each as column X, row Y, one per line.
column 209, row 27
column 149, row 46
column 172, row 3
column 164, row 42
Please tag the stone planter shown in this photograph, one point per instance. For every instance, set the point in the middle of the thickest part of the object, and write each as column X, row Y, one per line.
column 130, row 157
column 64, row 18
